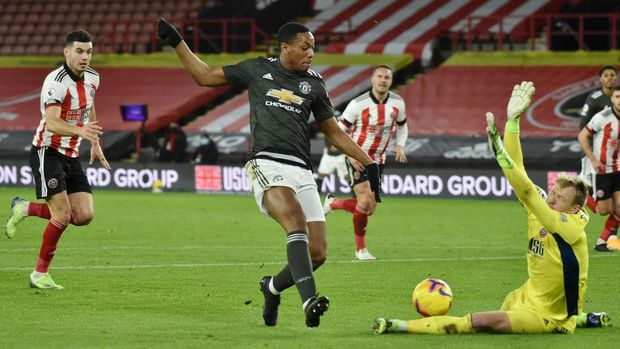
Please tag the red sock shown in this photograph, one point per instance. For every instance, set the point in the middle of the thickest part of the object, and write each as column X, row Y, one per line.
column 51, row 235
column 611, row 225
column 39, row 210
column 360, row 222
column 342, row 204
column 591, row 203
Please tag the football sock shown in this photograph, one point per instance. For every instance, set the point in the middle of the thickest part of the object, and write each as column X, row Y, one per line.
column 591, row 203
column 300, row 265
column 360, row 222
column 441, row 325
column 611, row 225
column 39, row 210
column 283, row 280
column 51, row 235
column 344, row 204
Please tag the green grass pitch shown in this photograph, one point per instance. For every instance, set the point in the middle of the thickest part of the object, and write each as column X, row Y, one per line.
column 178, row 270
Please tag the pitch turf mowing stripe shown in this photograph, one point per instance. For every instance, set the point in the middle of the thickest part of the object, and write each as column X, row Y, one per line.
column 250, row 264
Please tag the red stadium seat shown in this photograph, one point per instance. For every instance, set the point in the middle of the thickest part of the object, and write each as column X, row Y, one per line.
column 128, row 7
column 102, row 7
column 89, row 8
column 5, row 50
column 19, row 50
column 62, row 8
column 142, row 7
column 50, row 7
column 49, row 50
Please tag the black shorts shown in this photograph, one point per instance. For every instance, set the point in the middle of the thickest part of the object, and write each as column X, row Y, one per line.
column 606, row 185
column 356, row 177
column 54, row 173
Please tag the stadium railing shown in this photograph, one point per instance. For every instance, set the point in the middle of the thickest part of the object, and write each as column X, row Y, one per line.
column 536, row 32
column 202, row 35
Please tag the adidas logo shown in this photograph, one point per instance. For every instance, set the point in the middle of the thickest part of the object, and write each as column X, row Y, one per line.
column 267, row 76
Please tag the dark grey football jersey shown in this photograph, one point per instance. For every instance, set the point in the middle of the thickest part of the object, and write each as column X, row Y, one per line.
column 595, row 102
column 281, row 102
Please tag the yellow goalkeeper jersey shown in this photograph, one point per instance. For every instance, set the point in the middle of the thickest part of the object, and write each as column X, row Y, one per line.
column 557, row 251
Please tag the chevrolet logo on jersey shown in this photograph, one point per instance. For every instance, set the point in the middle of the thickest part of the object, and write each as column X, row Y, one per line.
column 285, row 96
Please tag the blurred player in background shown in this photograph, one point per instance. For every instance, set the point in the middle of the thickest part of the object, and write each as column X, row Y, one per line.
column 67, row 116
column 333, row 160
column 596, row 102
column 599, row 141
column 370, row 119
column 283, row 93
column 557, row 254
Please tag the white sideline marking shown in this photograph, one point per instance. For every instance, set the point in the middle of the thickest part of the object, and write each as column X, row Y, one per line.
column 223, row 247
column 246, row 264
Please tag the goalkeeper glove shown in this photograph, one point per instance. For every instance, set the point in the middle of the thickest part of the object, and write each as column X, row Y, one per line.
column 168, row 33
column 520, row 99
column 374, row 178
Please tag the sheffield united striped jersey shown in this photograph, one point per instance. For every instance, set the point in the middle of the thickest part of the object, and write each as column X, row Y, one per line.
column 371, row 123
column 75, row 96
column 605, row 128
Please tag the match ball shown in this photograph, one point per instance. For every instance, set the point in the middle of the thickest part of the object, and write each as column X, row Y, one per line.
column 432, row 297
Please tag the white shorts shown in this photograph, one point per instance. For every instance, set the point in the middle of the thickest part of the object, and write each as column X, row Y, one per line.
column 588, row 173
column 264, row 174
column 331, row 163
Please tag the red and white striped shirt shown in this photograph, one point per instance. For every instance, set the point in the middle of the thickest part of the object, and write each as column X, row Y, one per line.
column 75, row 96
column 605, row 127
column 371, row 124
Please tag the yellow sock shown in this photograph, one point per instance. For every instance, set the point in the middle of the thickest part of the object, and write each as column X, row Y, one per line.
column 441, row 325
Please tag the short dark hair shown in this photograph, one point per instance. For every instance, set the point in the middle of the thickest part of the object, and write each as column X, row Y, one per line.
column 288, row 32
column 384, row 66
column 617, row 88
column 79, row 35
column 607, row 67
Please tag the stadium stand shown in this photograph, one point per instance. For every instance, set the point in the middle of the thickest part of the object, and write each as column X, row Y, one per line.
column 397, row 26
column 117, row 26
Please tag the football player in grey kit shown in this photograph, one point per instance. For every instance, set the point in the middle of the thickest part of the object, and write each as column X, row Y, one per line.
column 283, row 92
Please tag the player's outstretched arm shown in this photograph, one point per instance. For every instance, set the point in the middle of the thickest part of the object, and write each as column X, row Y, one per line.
column 520, row 100
column 203, row 74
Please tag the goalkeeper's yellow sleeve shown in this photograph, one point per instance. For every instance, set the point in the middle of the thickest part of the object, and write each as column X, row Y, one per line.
column 512, row 143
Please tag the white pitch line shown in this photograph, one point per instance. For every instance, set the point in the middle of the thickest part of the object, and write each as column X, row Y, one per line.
column 246, row 264
column 224, row 247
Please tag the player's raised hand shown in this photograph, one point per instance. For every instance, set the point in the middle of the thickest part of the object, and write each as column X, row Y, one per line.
column 520, row 99
column 91, row 131
column 168, row 32
column 97, row 153
column 374, row 178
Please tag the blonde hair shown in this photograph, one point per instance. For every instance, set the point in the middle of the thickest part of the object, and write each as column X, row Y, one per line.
column 566, row 181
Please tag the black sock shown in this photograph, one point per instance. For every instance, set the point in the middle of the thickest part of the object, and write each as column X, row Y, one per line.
column 284, row 279
column 299, row 264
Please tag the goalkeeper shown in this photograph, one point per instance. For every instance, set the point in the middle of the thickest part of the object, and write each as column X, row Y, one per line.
column 557, row 255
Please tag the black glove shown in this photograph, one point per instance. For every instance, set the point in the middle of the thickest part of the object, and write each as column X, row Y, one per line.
column 372, row 173
column 168, row 33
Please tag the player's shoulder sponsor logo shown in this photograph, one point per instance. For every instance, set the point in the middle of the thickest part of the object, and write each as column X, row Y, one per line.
column 277, row 178
column 50, row 92
column 305, row 87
